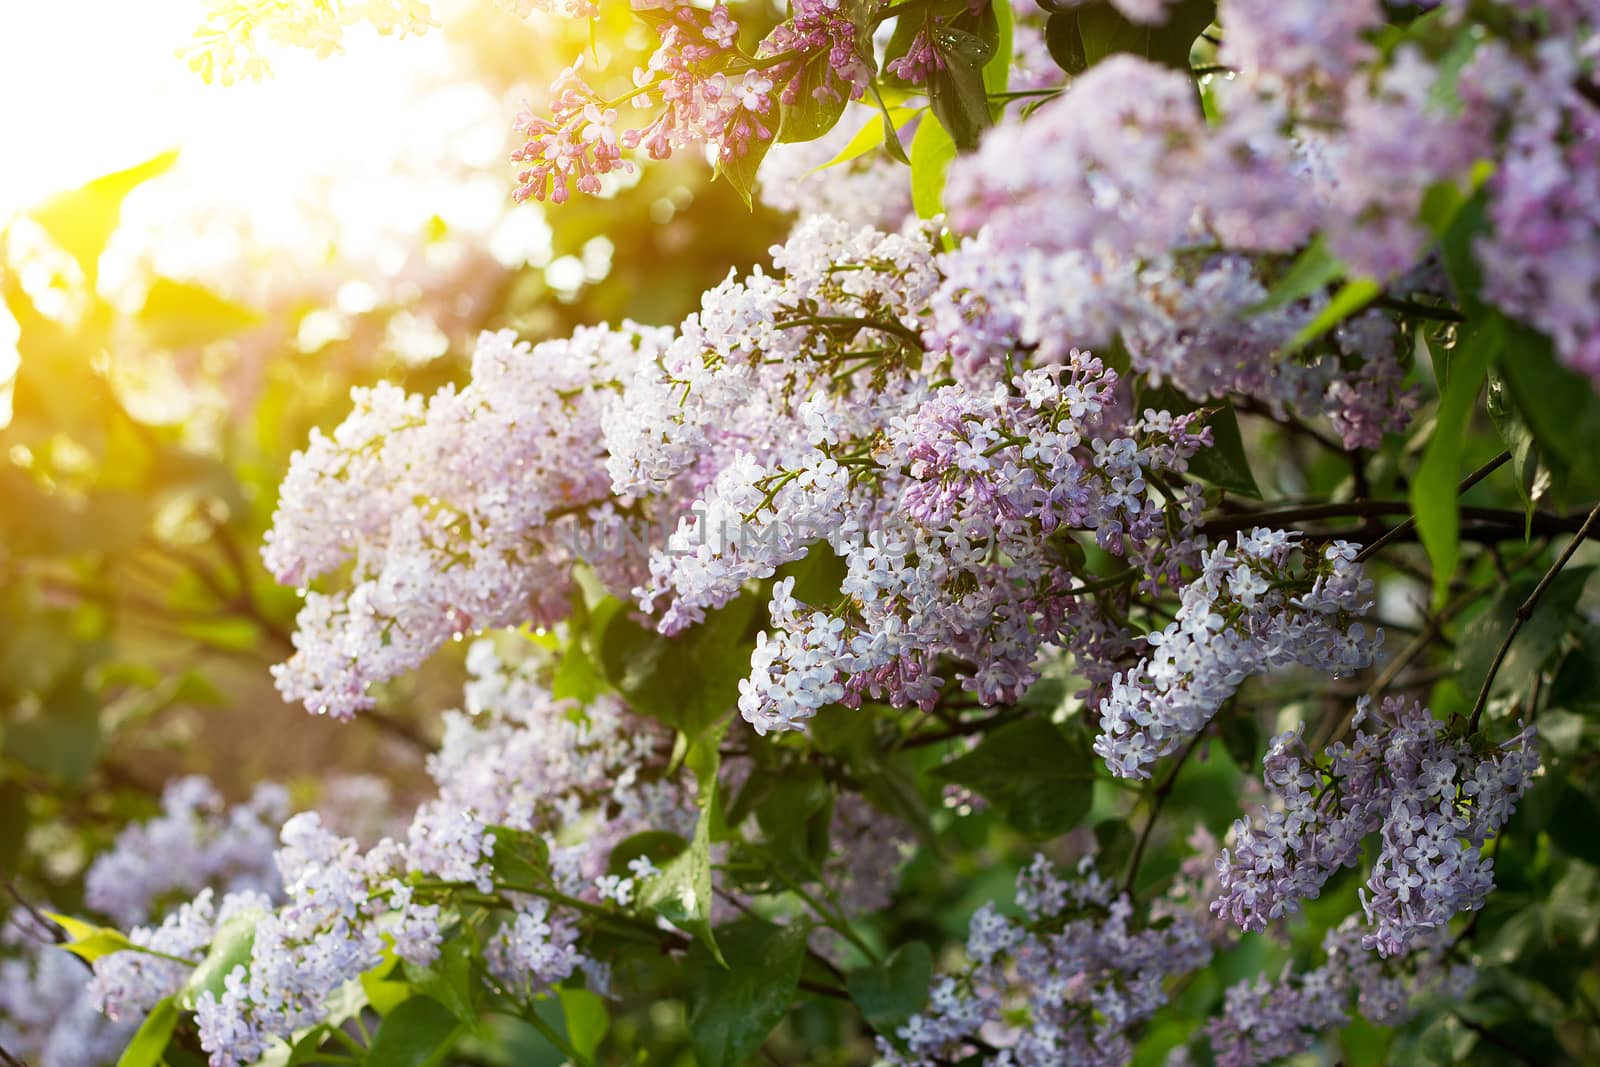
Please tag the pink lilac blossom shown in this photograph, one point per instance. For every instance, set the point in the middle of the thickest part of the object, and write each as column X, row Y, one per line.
column 1541, row 258
column 446, row 508
column 1246, row 612
column 1434, row 801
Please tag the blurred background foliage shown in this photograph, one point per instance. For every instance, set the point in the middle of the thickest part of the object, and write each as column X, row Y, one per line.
column 172, row 331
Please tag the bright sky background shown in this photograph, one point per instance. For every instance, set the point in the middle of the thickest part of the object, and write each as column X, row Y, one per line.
column 349, row 156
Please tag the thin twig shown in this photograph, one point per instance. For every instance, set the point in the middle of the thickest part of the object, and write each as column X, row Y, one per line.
column 1158, row 800
column 1472, row 479
column 1524, row 612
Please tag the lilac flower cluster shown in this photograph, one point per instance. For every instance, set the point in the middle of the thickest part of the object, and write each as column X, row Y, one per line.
column 47, row 1017
column 1541, row 259
column 1246, row 612
column 1264, row 1021
column 444, row 509
column 196, row 842
column 1434, row 799
column 1066, row 981
column 516, row 758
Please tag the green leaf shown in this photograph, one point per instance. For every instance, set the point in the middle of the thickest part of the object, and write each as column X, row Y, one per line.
column 82, row 220
column 90, row 942
column 819, row 101
column 521, row 857
column 63, row 740
column 417, row 1033
column 1538, row 639
column 740, row 171
column 659, row 846
column 875, row 132
column 183, row 315
column 448, row 979
column 737, row 1005
column 1352, row 297
column 959, row 101
column 1573, row 820
column 1312, row 271
column 587, row 1019
column 230, row 947
column 997, row 71
column 1533, row 478
column 931, row 152
column 1065, row 42
column 681, row 893
column 150, row 1041
column 1042, row 782
column 1105, row 31
column 691, row 681
column 795, row 819
column 1225, row 464
column 893, row 991
column 1433, row 491
column 1560, row 407
column 383, row 993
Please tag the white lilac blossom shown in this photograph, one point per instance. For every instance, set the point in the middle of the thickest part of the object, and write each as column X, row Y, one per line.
column 197, row 841
column 1249, row 610
column 1103, row 223
column 1434, row 799
column 1068, row 981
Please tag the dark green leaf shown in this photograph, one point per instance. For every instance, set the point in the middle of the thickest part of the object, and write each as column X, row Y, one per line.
column 63, row 740
column 449, row 978
column 1224, row 464
column 891, row 992
column 521, row 857
column 960, row 102
column 736, row 1006
column 417, row 1033
column 691, row 681
column 1573, row 824
column 1062, row 37
column 660, row 846
column 1042, row 782
column 1536, row 641
column 819, row 100
column 740, row 170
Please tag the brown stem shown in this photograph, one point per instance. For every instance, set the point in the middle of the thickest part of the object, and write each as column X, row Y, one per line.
column 1524, row 612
